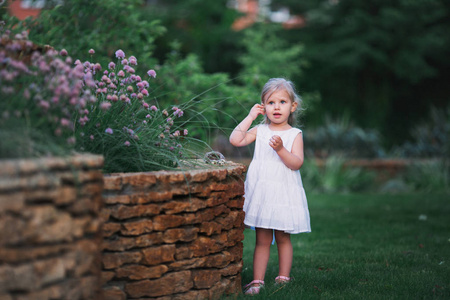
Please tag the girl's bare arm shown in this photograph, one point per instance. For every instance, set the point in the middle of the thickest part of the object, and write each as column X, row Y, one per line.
column 294, row 159
column 241, row 135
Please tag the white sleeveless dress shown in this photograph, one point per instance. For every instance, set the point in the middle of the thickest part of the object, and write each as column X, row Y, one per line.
column 274, row 194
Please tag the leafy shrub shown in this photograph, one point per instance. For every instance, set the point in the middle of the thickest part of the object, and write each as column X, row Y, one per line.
column 343, row 139
column 429, row 176
column 431, row 139
column 334, row 176
column 106, row 25
column 51, row 107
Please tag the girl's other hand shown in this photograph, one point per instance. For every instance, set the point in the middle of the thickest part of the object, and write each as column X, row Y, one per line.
column 256, row 110
column 276, row 143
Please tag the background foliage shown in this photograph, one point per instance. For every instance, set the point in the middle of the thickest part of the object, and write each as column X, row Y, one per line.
column 383, row 62
column 380, row 64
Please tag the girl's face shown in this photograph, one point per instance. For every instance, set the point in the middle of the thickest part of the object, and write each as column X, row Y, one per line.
column 278, row 107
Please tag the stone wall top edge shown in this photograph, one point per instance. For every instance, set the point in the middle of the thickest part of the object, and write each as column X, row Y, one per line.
column 31, row 165
column 230, row 167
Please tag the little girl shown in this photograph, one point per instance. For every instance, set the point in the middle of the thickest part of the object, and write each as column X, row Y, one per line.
column 275, row 201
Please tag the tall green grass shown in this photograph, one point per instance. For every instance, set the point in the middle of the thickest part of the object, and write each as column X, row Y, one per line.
column 366, row 246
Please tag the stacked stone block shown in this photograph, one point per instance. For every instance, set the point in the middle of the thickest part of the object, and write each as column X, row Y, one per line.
column 50, row 228
column 173, row 235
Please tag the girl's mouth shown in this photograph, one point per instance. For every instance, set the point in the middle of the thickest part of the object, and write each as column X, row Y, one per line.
column 277, row 115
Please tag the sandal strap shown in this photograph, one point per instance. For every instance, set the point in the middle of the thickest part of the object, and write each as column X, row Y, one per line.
column 283, row 278
column 260, row 282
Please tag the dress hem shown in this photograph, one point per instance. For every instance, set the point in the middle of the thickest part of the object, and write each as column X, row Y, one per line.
column 287, row 231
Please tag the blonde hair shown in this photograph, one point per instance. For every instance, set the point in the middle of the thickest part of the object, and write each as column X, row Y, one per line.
column 275, row 84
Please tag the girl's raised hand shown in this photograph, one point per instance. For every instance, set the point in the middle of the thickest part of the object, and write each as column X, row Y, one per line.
column 276, row 143
column 256, row 110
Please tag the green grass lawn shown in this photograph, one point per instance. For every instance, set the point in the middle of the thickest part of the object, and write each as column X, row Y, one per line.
column 365, row 246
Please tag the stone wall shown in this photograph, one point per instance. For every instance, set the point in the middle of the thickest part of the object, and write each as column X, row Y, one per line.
column 49, row 228
column 173, row 235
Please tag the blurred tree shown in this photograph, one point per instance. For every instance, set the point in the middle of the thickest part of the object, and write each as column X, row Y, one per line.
column 203, row 28
column 267, row 55
column 385, row 62
column 79, row 25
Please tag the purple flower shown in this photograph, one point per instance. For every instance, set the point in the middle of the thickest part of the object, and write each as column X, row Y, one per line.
column 148, row 116
column 127, row 143
column 178, row 113
column 145, row 92
column 120, row 54
column 63, row 52
column 44, row 104
column 111, row 65
column 26, row 94
column 124, row 62
column 65, row 122
column 91, row 137
column 91, row 51
column 140, row 96
column 145, row 105
column 154, row 108
column 132, row 60
column 109, row 131
column 105, row 106
column 71, row 140
column 121, row 73
column 97, row 67
column 185, row 132
column 151, row 73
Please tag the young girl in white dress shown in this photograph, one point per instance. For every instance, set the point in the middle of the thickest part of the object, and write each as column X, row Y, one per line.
column 275, row 201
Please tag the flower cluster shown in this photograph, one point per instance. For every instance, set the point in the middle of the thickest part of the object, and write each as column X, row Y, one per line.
column 124, row 101
column 89, row 108
column 47, row 88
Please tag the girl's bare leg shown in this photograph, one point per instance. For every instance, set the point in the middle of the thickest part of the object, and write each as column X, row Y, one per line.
column 262, row 252
column 285, row 252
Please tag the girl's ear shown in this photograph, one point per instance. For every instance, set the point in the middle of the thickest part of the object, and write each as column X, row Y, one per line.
column 294, row 106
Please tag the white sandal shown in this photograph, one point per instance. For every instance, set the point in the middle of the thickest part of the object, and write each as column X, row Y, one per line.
column 254, row 287
column 280, row 280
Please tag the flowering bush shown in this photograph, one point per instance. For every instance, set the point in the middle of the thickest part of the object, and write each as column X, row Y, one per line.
column 52, row 105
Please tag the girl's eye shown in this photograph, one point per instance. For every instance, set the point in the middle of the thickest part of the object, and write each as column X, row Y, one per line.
column 270, row 103
column 283, row 102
